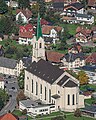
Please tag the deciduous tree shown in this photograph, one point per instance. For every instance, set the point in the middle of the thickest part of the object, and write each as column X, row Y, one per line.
column 82, row 77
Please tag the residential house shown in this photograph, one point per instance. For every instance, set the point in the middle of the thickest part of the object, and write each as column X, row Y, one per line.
column 48, row 83
column 35, row 107
column 94, row 33
column 12, row 3
column 8, row 116
column 83, row 35
column 26, row 34
column 85, row 18
column 52, row 32
column 58, row 5
column 76, row 48
column 54, row 57
column 25, row 14
column 91, row 59
column 92, row 4
column 73, row 9
column 78, row 18
column 71, row 60
column 10, row 66
column 1, row 82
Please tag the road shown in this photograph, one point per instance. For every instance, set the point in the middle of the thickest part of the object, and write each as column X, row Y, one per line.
column 12, row 88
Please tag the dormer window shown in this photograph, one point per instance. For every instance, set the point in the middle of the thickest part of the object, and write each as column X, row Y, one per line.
column 40, row 45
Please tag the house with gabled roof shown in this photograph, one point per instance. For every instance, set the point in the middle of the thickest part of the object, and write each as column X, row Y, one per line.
column 73, row 9
column 47, row 82
column 92, row 4
column 10, row 66
column 25, row 14
column 26, row 34
column 91, row 59
column 73, row 60
column 52, row 32
column 83, row 35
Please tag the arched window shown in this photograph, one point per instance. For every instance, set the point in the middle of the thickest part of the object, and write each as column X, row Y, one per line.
column 68, row 99
column 36, row 88
column 49, row 95
column 40, row 45
column 45, row 93
column 35, row 45
column 40, row 88
column 73, row 99
column 32, row 86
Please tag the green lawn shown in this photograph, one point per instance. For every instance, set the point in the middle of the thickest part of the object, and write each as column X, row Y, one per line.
column 89, row 101
column 69, row 116
column 71, row 27
column 72, row 117
column 13, row 50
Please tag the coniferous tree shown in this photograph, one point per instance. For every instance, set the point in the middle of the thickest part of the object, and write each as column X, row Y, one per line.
column 3, row 7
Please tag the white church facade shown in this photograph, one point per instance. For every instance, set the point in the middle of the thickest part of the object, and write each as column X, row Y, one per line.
column 48, row 83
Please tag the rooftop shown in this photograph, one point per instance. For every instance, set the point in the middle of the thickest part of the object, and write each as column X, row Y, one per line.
column 45, row 71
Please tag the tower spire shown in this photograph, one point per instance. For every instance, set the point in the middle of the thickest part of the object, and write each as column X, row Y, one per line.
column 39, row 30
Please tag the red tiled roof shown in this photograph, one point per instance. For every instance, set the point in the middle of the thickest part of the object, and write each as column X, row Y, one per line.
column 8, row 116
column 91, row 58
column 26, row 12
column 26, row 31
column 91, row 2
column 53, row 56
column 44, row 22
column 46, row 29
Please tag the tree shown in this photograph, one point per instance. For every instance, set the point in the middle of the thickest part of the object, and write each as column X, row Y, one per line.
column 82, row 77
column 24, row 112
column 5, row 25
column 1, row 103
column 24, row 3
column 3, row 7
column 77, row 113
column 42, row 7
column 21, row 80
column 3, row 96
column 20, row 96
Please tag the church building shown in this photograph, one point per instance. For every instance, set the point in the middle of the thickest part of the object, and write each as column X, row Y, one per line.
column 48, row 83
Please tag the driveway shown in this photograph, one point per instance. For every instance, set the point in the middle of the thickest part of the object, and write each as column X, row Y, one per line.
column 11, row 86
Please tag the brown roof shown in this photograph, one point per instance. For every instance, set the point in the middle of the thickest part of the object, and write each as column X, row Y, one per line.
column 54, row 56
column 91, row 2
column 26, row 12
column 46, row 29
column 26, row 34
column 91, row 58
column 83, row 30
column 8, row 116
column 94, row 28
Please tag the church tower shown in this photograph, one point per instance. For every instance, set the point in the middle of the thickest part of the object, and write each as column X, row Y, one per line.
column 38, row 44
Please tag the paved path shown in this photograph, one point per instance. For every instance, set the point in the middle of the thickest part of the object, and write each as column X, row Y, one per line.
column 11, row 82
